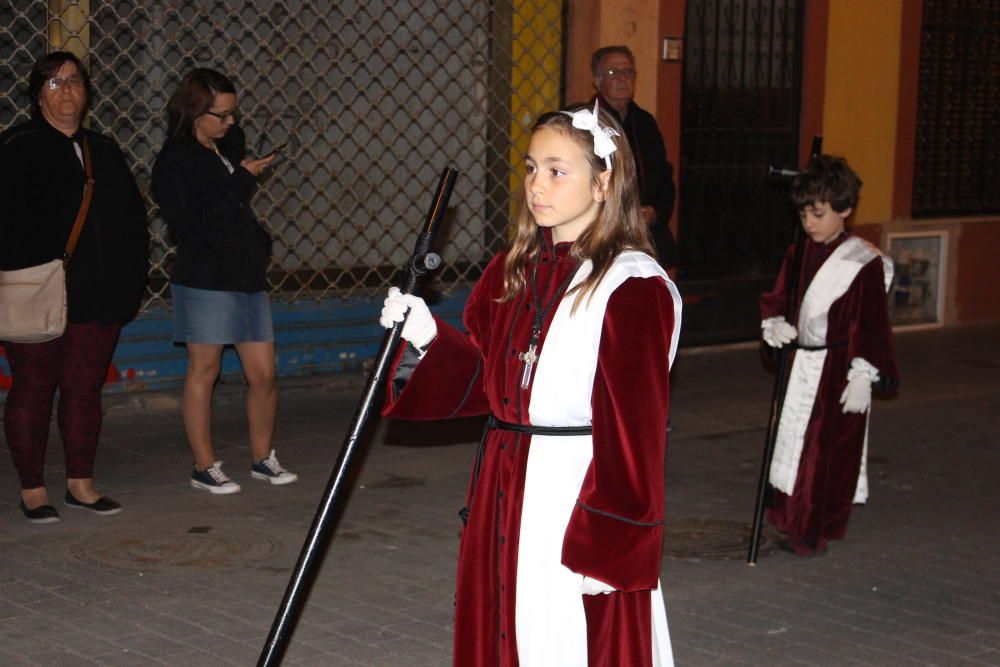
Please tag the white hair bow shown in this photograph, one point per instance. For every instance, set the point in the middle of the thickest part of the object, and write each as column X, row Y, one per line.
column 585, row 119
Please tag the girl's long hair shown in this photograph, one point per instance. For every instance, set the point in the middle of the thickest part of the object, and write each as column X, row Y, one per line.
column 617, row 226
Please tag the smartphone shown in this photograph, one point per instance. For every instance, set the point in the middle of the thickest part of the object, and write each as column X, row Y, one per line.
column 277, row 149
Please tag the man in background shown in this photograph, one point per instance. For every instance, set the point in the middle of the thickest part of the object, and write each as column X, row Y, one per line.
column 614, row 77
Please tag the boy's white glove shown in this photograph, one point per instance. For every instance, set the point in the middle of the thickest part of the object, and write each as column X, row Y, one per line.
column 420, row 327
column 777, row 332
column 595, row 587
column 857, row 396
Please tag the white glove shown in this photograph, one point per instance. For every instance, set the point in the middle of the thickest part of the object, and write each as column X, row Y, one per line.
column 595, row 587
column 777, row 332
column 857, row 396
column 420, row 327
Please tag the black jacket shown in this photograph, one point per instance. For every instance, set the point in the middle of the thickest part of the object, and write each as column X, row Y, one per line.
column 656, row 174
column 41, row 187
column 220, row 245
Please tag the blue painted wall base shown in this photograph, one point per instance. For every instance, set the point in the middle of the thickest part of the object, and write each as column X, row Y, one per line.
column 311, row 338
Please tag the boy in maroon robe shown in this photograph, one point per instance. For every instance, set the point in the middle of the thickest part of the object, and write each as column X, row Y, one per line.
column 844, row 345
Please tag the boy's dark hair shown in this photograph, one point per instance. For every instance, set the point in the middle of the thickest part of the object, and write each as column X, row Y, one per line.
column 828, row 179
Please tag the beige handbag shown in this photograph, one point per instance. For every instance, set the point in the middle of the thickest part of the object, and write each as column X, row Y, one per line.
column 33, row 300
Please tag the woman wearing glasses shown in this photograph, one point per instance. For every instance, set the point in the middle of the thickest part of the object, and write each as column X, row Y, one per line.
column 203, row 182
column 43, row 169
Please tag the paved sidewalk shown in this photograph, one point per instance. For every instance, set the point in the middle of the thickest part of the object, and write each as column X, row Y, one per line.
column 182, row 577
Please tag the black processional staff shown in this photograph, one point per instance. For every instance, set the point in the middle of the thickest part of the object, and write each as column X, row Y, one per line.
column 421, row 261
column 781, row 377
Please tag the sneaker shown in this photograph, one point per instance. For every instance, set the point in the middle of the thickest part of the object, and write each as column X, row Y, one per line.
column 272, row 471
column 213, row 480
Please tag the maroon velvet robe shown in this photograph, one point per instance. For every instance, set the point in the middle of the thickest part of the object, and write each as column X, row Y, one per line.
column 479, row 373
column 820, row 504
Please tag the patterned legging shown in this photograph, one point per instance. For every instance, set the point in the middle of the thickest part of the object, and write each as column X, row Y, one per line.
column 76, row 364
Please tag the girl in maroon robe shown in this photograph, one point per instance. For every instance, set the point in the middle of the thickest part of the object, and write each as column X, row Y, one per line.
column 570, row 336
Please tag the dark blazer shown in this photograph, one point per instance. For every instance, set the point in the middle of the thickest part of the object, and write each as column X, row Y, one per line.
column 656, row 174
column 220, row 245
column 41, row 187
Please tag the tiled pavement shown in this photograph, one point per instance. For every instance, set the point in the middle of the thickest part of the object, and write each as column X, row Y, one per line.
column 185, row 578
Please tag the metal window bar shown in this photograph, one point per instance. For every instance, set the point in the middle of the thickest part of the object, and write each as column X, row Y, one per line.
column 957, row 161
column 740, row 114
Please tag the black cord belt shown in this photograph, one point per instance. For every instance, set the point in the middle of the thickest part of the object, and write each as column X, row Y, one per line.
column 814, row 348
column 492, row 423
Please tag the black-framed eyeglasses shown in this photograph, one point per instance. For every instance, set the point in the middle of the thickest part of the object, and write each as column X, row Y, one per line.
column 55, row 83
column 223, row 115
column 613, row 73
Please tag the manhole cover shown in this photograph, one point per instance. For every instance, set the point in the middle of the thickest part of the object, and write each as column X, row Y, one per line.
column 713, row 539
column 176, row 548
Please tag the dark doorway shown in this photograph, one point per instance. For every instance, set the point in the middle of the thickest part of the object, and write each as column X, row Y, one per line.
column 740, row 114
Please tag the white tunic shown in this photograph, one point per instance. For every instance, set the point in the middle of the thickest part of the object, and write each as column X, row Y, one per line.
column 550, row 622
column 830, row 283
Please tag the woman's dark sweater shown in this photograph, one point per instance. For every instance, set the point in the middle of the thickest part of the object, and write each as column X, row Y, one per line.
column 220, row 245
column 41, row 187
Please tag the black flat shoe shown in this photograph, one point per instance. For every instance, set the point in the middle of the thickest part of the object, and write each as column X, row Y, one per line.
column 103, row 505
column 41, row 514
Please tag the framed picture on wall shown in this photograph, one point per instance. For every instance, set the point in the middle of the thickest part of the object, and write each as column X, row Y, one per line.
column 916, row 297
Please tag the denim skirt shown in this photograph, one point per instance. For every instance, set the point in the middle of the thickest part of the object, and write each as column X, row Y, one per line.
column 221, row 318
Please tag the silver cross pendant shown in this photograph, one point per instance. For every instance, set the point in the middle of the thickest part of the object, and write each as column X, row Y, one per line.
column 529, row 358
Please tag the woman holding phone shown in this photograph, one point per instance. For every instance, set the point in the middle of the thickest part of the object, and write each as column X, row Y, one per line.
column 203, row 182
